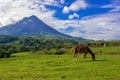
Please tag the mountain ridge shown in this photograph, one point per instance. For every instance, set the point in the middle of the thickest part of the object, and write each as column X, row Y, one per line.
column 32, row 26
column 28, row 25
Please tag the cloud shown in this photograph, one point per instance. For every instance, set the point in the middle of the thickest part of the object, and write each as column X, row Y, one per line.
column 52, row 2
column 12, row 11
column 77, row 5
column 74, row 15
column 62, row 1
column 97, row 27
column 66, row 9
column 115, row 5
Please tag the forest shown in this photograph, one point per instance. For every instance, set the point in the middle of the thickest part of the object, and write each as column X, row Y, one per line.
column 15, row 44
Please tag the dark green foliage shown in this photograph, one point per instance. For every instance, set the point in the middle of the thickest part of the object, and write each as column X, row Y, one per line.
column 7, row 39
column 104, row 43
column 4, row 53
column 52, row 51
column 34, row 44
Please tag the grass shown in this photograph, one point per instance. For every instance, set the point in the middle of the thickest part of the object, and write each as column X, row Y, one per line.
column 113, row 50
column 24, row 66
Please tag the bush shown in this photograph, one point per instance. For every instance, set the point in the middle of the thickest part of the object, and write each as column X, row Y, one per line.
column 4, row 53
column 50, row 52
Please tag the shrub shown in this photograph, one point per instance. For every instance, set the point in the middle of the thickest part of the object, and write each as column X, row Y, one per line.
column 4, row 53
column 50, row 52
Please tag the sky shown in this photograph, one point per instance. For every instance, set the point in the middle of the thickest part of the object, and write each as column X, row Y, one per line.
column 90, row 19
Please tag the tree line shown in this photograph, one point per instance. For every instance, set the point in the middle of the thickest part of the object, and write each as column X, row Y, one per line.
column 15, row 44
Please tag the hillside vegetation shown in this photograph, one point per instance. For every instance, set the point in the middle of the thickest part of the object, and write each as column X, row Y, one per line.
column 10, row 44
column 43, row 45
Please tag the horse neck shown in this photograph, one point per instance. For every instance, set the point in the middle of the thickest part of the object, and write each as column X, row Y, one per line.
column 90, row 51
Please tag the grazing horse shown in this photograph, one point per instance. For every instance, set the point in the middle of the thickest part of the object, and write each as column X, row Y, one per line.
column 82, row 49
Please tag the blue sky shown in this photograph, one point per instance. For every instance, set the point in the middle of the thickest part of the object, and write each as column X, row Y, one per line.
column 92, row 7
column 91, row 19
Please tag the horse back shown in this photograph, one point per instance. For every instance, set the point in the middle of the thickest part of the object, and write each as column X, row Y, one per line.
column 81, row 49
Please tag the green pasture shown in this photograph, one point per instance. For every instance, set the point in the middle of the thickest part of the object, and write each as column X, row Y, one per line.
column 112, row 50
column 28, row 66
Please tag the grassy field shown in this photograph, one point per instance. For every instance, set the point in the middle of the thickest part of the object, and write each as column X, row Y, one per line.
column 25, row 66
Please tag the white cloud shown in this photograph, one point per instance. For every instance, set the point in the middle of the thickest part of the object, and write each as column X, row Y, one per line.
column 115, row 4
column 62, row 1
column 65, row 9
column 115, row 7
column 97, row 27
column 77, row 5
column 74, row 15
column 12, row 11
column 52, row 2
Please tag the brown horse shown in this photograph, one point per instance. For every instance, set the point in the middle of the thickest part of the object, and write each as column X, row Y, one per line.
column 82, row 49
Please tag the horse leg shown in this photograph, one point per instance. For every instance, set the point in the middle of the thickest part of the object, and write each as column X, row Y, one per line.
column 75, row 57
column 74, row 53
column 85, row 54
